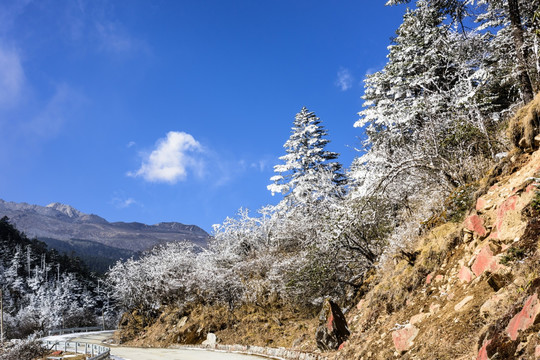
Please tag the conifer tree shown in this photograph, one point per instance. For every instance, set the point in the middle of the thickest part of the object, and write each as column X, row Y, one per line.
column 309, row 172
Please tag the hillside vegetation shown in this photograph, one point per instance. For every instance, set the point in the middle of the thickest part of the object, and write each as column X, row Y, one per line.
column 429, row 236
column 44, row 290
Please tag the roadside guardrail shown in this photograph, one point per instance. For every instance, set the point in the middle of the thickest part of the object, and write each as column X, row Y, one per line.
column 96, row 352
column 74, row 330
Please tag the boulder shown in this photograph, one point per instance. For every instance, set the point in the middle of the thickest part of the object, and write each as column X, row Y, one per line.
column 332, row 330
column 482, row 353
column 480, row 204
column 495, row 304
column 403, row 338
column 459, row 306
column 476, row 224
column 527, row 317
column 485, row 260
column 418, row 318
column 211, row 339
column 508, row 205
column 465, row 275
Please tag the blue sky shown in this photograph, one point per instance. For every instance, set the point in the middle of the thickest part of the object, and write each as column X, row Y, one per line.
column 97, row 97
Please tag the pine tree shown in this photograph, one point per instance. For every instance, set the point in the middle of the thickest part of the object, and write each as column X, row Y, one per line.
column 429, row 112
column 309, row 172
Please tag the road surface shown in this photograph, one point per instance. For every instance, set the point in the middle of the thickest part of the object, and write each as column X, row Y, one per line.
column 130, row 353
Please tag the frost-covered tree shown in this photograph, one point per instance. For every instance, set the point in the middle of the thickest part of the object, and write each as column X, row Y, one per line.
column 515, row 24
column 431, row 114
column 305, row 162
column 35, row 297
column 162, row 276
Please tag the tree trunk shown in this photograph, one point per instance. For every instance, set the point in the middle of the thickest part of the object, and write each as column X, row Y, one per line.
column 525, row 84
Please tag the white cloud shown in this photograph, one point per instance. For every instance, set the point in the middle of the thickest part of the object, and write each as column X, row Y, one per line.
column 11, row 77
column 131, row 144
column 123, row 203
column 171, row 159
column 344, row 79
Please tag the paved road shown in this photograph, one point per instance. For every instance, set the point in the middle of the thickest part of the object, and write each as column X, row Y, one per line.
column 129, row 353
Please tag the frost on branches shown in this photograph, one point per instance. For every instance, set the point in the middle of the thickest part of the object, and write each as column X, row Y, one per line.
column 292, row 254
column 433, row 114
column 433, row 119
column 40, row 294
column 308, row 172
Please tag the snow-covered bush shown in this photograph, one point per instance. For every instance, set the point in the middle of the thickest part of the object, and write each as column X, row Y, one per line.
column 30, row 348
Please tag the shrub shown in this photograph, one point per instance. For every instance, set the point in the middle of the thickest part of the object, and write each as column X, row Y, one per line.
column 30, row 348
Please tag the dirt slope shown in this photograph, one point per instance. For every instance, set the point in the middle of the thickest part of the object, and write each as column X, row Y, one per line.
column 471, row 293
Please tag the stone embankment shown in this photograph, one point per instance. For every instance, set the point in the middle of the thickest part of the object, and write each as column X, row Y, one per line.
column 274, row 353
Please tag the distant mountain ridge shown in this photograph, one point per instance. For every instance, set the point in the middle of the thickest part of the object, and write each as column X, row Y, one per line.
column 65, row 228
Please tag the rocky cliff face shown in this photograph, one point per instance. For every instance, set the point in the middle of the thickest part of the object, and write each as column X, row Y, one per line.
column 473, row 290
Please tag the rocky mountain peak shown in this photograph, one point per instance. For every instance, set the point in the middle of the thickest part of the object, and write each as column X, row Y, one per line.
column 66, row 209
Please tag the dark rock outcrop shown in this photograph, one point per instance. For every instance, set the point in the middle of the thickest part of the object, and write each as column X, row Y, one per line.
column 332, row 330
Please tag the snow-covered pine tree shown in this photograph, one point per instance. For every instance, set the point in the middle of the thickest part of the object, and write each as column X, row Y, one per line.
column 515, row 24
column 429, row 114
column 309, row 172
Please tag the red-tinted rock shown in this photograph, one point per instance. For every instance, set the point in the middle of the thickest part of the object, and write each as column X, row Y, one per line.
column 480, row 203
column 494, row 187
column 525, row 318
column 332, row 330
column 476, row 224
column 439, row 278
column 465, row 274
column 360, row 304
column 537, row 352
column 508, row 205
column 330, row 321
column 428, row 278
column 482, row 354
column 403, row 338
column 485, row 260
column 531, row 187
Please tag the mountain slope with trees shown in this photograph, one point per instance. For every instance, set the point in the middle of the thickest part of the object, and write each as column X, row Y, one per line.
column 99, row 242
column 43, row 290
